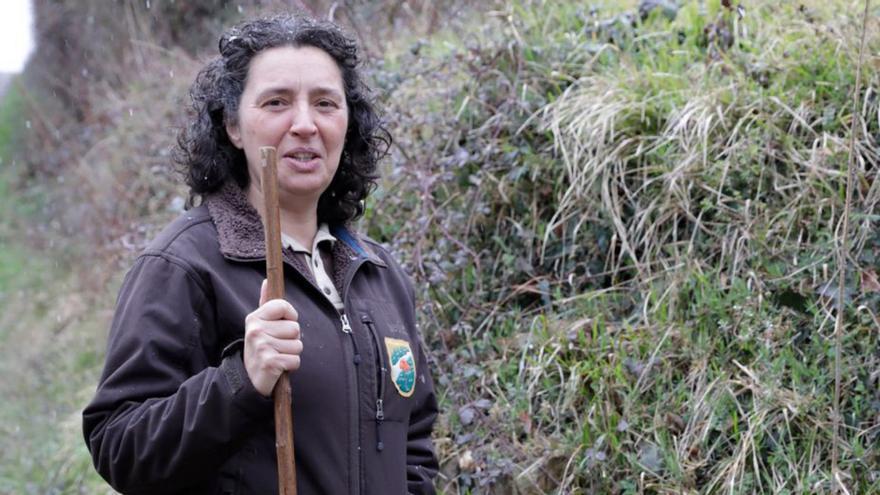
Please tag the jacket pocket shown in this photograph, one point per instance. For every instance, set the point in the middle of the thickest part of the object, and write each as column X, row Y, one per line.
column 381, row 378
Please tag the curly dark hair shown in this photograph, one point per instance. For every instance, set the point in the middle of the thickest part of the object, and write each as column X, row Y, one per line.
column 207, row 157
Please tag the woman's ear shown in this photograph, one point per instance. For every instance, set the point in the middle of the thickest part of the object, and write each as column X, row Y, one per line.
column 234, row 134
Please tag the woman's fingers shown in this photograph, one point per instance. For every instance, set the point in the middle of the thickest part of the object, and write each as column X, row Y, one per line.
column 267, row 345
column 271, row 361
column 267, row 356
column 271, row 341
column 285, row 346
column 275, row 309
column 282, row 329
column 266, row 367
column 286, row 362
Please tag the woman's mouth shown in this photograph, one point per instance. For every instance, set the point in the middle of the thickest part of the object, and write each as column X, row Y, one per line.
column 302, row 161
column 303, row 156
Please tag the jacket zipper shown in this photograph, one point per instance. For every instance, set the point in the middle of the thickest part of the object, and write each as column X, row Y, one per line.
column 357, row 460
column 346, row 329
column 358, row 486
column 354, row 417
column 381, row 371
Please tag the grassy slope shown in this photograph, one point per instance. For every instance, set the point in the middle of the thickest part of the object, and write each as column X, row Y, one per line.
column 694, row 357
column 51, row 339
column 622, row 235
column 67, row 240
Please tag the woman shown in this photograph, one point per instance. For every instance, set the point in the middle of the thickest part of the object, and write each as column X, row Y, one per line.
column 184, row 403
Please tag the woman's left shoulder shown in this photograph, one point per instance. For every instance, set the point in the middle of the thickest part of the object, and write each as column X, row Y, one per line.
column 364, row 245
column 383, row 252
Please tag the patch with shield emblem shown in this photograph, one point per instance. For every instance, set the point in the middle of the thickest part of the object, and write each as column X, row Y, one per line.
column 403, row 366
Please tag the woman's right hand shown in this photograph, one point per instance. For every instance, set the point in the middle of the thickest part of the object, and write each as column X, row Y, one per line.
column 271, row 342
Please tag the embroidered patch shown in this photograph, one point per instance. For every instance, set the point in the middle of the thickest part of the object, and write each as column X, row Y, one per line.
column 403, row 366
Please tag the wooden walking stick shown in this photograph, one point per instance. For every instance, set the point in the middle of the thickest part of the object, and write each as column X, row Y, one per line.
column 282, row 394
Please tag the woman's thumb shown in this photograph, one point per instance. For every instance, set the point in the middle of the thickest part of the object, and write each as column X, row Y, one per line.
column 264, row 292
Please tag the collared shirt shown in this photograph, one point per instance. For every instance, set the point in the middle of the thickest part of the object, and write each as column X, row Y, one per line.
column 316, row 263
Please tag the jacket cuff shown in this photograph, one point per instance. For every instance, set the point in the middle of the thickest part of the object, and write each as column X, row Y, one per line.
column 236, row 347
column 244, row 395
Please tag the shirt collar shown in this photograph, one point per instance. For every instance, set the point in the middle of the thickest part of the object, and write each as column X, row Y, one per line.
column 240, row 230
column 323, row 234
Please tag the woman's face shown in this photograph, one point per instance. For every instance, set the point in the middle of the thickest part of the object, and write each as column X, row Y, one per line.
column 294, row 100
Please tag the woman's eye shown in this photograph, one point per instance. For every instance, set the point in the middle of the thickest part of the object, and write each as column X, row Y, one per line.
column 274, row 102
column 327, row 104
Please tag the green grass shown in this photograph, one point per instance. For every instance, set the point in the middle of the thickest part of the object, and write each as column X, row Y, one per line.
column 14, row 259
column 11, row 123
column 50, row 353
column 49, row 373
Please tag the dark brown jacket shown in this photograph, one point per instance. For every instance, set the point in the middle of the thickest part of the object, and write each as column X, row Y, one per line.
column 175, row 411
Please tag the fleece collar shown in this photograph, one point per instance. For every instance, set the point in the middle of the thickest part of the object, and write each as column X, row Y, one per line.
column 240, row 230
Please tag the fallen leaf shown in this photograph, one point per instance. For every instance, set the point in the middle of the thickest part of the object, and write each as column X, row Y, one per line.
column 483, row 404
column 649, row 456
column 466, row 461
column 675, row 422
column 463, row 439
column 869, row 281
column 466, row 415
column 634, row 367
column 527, row 422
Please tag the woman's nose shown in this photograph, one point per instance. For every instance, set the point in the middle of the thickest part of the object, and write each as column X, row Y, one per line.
column 302, row 122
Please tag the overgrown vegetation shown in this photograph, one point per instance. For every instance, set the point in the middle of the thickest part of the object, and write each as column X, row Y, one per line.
column 624, row 228
column 622, row 222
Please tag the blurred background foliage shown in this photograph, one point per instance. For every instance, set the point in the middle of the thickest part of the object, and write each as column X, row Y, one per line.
column 621, row 218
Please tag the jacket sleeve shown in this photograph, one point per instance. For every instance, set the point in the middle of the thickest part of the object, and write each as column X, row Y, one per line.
column 421, row 462
column 162, row 418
